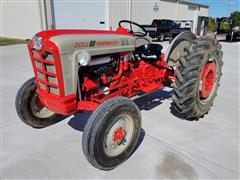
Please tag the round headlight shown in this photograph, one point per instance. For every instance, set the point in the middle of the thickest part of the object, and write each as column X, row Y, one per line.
column 83, row 58
column 37, row 42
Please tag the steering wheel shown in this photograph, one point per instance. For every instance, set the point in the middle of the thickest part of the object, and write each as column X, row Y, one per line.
column 139, row 34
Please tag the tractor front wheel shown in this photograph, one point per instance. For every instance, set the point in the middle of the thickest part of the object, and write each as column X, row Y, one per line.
column 30, row 110
column 111, row 133
column 197, row 78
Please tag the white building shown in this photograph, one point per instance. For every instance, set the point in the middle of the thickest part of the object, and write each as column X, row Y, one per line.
column 22, row 19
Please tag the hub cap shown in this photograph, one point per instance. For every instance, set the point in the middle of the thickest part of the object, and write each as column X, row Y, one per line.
column 38, row 108
column 207, row 80
column 118, row 136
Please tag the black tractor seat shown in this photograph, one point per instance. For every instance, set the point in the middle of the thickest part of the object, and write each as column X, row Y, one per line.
column 149, row 51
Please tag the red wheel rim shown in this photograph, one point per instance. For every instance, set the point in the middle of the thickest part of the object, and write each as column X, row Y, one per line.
column 118, row 134
column 118, row 137
column 207, row 80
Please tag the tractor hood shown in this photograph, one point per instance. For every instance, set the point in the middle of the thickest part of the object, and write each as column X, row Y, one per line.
column 95, row 42
column 67, row 44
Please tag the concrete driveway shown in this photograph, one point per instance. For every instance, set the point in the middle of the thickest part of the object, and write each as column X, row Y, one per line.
column 169, row 147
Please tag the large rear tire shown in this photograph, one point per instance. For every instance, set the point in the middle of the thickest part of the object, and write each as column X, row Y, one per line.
column 29, row 108
column 111, row 133
column 197, row 78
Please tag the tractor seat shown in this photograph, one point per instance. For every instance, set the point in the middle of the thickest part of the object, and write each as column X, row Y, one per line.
column 149, row 51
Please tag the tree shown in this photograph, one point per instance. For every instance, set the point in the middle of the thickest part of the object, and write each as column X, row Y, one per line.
column 224, row 26
column 235, row 16
column 211, row 24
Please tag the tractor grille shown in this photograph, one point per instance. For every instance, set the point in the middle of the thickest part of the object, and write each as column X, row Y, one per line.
column 45, row 71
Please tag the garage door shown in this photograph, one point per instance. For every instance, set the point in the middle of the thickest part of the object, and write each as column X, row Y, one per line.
column 80, row 14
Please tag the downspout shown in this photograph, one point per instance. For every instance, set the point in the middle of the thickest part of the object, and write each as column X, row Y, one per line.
column 52, row 15
column 49, row 14
column 46, row 15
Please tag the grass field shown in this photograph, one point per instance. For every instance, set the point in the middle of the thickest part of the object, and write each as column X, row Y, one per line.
column 10, row 41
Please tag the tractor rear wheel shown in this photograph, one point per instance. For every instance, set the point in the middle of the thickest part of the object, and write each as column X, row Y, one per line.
column 111, row 133
column 197, row 78
column 30, row 110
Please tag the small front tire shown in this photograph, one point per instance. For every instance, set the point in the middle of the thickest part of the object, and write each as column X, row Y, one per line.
column 30, row 110
column 111, row 133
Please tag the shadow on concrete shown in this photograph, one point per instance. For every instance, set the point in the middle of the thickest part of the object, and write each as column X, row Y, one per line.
column 54, row 121
column 79, row 120
column 140, row 140
column 152, row 100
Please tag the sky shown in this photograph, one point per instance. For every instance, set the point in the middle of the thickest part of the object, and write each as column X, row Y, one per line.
column 220, row 8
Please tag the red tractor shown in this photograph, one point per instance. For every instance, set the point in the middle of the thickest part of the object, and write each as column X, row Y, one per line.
column 96, row 70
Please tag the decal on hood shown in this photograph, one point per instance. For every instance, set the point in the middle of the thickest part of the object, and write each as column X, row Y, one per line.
column 81, row 44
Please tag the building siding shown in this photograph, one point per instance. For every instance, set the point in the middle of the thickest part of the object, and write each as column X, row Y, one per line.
column 142, row 13
column 182, row 12
column 21, row 19
column 118, row 10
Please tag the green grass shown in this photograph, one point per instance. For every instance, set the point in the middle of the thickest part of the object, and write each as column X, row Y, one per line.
column 10, row 41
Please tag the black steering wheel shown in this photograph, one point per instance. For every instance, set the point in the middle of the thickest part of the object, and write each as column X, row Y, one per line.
column 140, row 34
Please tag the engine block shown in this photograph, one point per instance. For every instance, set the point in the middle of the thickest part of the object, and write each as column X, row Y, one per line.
column 124, row 78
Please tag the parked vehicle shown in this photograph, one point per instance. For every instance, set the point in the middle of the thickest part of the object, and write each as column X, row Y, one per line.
column 185, row 23
column 162, row 28
column 96, row 70
column 225, row 26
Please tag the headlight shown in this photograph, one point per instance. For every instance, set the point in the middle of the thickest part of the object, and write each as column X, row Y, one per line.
column 37, row 42
column 83, row 58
